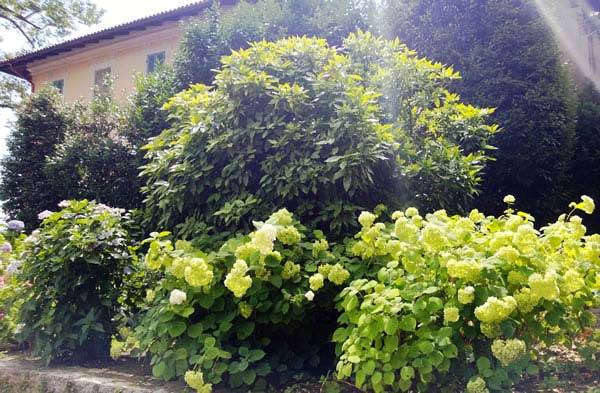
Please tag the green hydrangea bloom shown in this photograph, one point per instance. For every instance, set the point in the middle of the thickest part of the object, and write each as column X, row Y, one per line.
column 337, row 274
column 316, row 281
column 468, row 270
column 178, row 266
column 288, row 235
column 477, row 385
column 451, row 314
column 281, row 217
column 318, row 246
column 466, row 295
column 366, row 219
column 411, row 212
column 195, row 380
column 544, row 287
column 490, row 330
column 434, row 238
column 198, row 273
column 495, row 310
column 236, row 280
column 573, row 281
column 508, row 351
column 290, row 270
column 525, row 300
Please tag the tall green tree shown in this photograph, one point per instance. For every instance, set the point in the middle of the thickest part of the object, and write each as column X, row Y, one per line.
column 39, row 22
column 206, row 40
column 95, row 161
column 24, row 187
column 509, row 60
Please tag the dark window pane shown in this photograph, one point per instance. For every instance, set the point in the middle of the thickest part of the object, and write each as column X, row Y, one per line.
column 59, row 85
column 153, row 60
column 102, row 80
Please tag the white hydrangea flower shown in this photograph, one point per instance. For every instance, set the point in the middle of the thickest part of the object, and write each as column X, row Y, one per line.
column 45, row 214
column 510, row 199
column 177, row 297
column 310, row 295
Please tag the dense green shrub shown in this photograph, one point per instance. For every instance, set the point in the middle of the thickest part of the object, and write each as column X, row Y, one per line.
column 206, row 40
column 95, row 161
column 75, row 263
column 509, row 61
column 326, row 132
column 24, row 187
column 426, row 303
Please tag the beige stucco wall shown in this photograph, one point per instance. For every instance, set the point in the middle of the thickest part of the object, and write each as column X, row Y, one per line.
column 126, row 55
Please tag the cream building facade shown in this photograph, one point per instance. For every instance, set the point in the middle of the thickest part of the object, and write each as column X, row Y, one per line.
column 80, row 66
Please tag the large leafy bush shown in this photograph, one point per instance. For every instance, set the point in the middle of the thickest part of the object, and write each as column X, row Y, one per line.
column 436, row 302
column 75, row 264
column 326, row 132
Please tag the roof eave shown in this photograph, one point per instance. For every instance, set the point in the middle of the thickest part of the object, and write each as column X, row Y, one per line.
column 18, row 65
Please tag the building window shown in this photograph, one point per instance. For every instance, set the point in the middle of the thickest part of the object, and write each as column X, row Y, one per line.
column 59, row 85
column 102, row 81
column 154, row 60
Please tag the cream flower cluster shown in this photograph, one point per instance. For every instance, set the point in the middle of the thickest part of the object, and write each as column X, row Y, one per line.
column 366, row 219
column 508, row 351
column 198, row 273
column 236, row 280
column 290, row 270
column 264, row 238
column 177, row 297
column 465, row 269
column 451, row 314
column 466, row 295
column 495, row 310
column 195, row 380
column 544, row 287
column 477, row 385
column 316, row 281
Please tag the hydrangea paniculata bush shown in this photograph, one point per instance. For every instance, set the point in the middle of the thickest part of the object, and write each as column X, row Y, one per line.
column 424, row 302
column 464, row 296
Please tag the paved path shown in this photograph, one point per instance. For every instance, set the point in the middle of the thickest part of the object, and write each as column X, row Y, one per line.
column 18, row 375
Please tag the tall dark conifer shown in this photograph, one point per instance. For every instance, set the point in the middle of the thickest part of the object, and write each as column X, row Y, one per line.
column 509, row 60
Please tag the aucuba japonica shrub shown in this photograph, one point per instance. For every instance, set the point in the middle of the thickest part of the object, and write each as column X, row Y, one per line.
column 425, row 302
column 468, row 297
column 75, row 265
column 240, row 311
column 323, row 131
